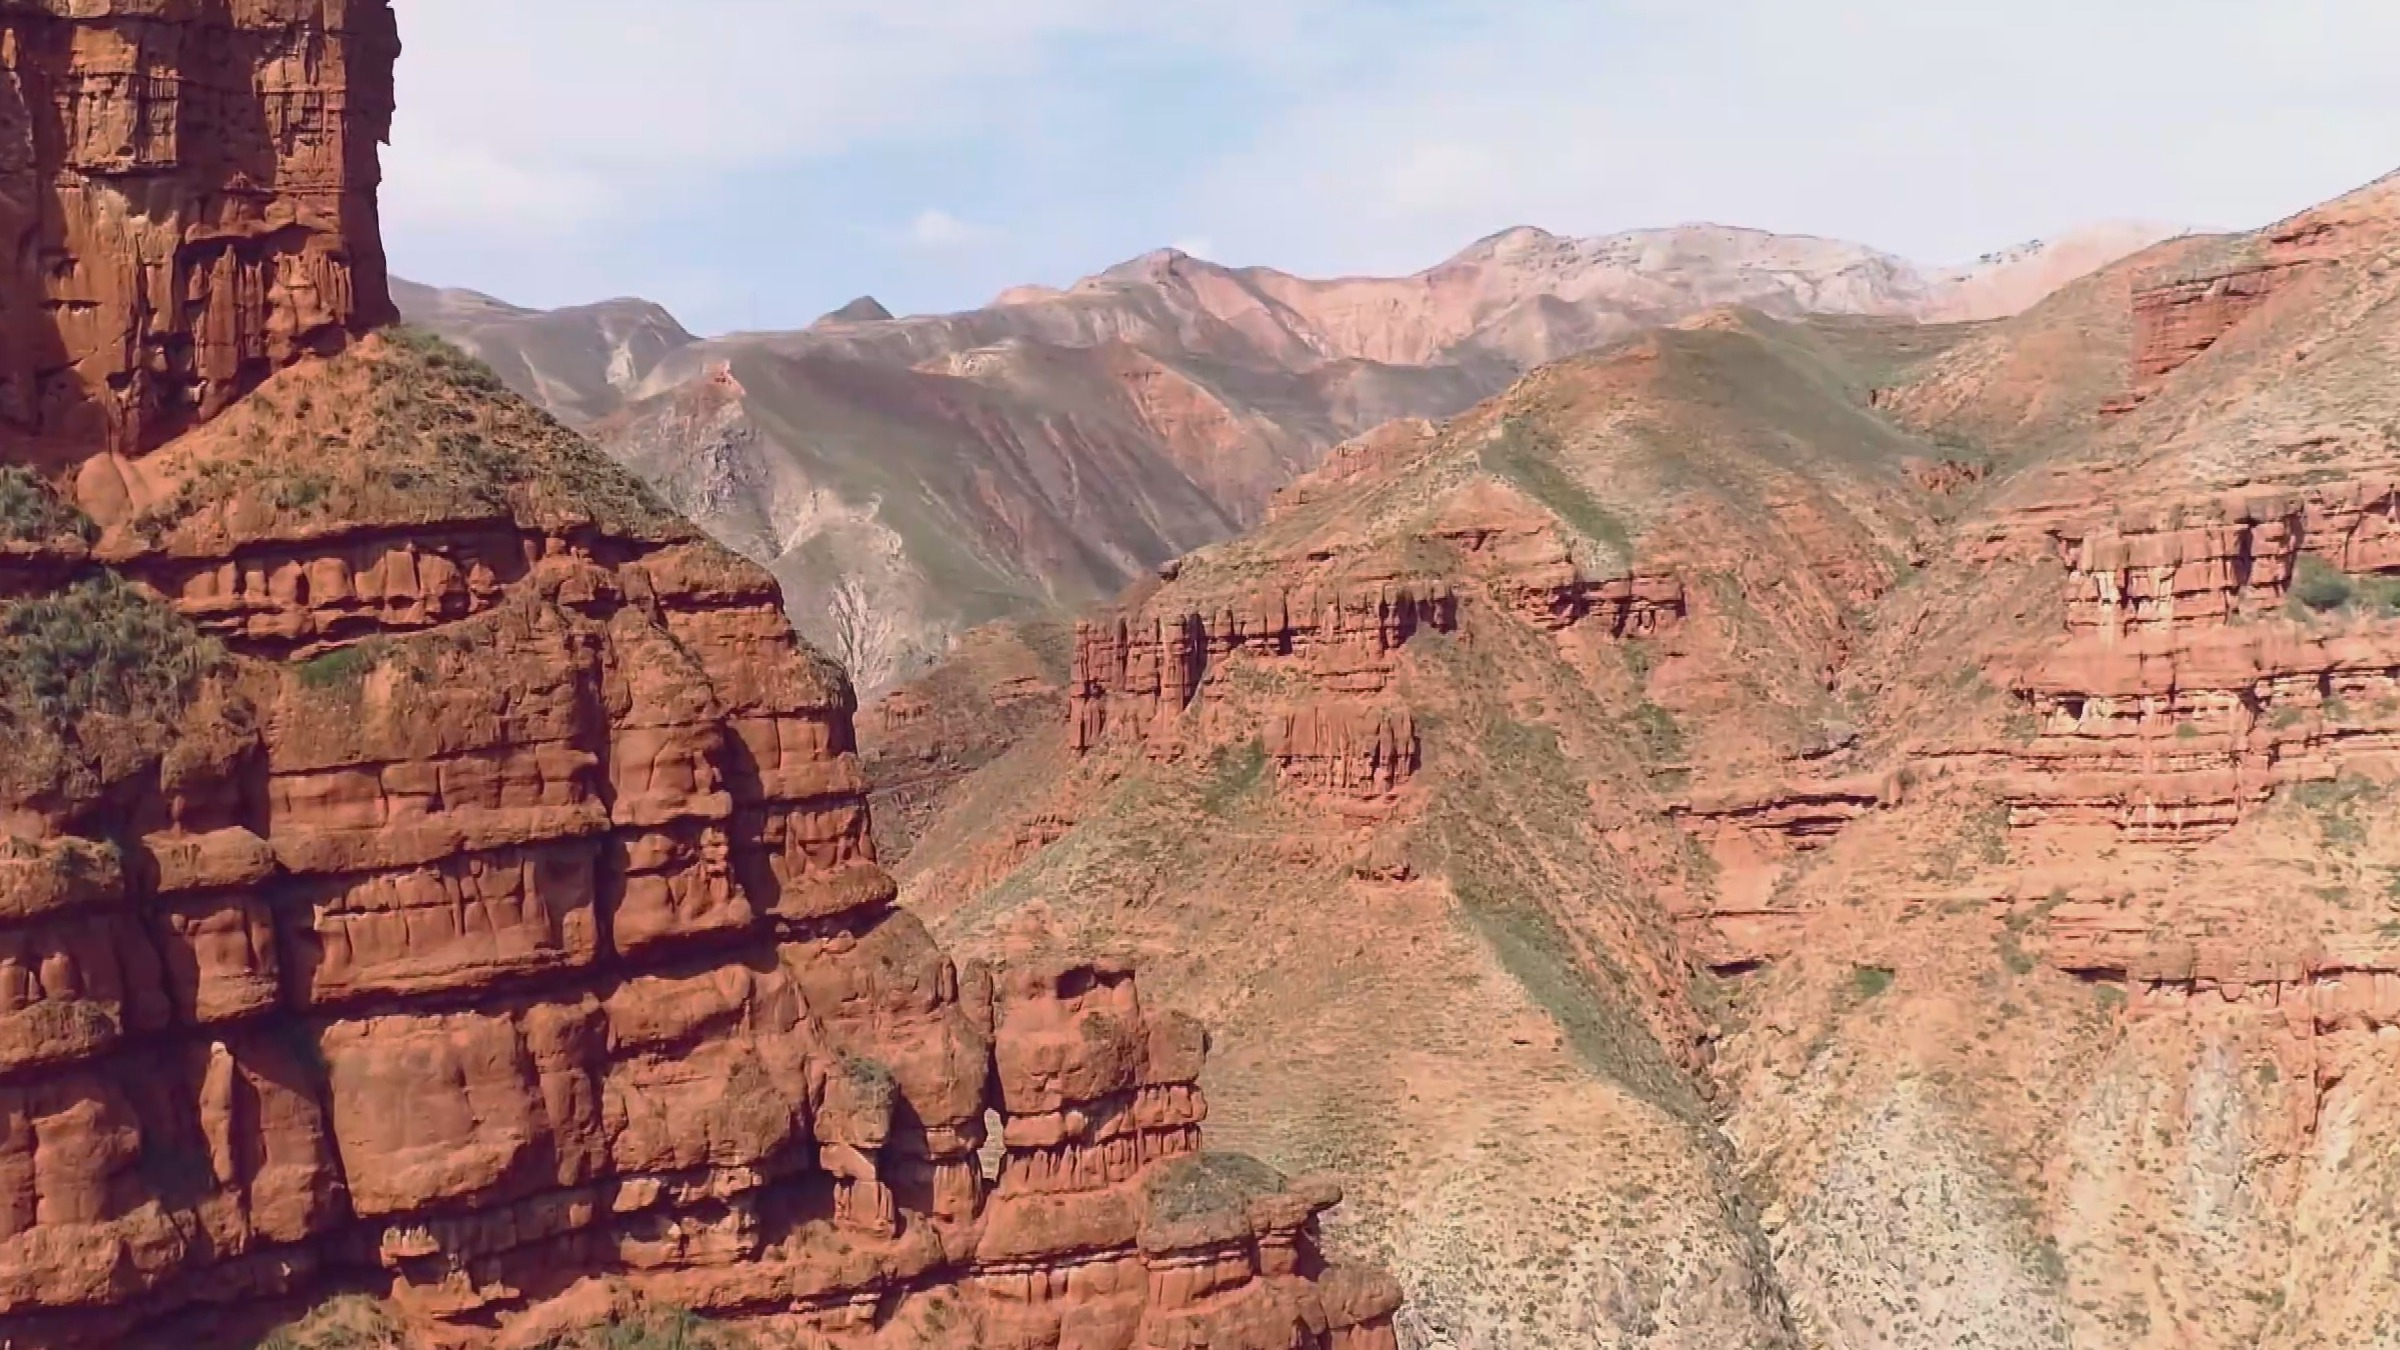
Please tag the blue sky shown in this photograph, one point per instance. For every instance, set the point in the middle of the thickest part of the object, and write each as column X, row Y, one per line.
column 757, row 162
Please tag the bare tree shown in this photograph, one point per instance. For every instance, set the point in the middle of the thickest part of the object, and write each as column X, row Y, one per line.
column 864, row 638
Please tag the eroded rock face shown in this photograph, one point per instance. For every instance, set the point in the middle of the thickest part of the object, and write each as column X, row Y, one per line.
column 2184, row 696
column 427, row 866
column 187, row 203
column 504, row 915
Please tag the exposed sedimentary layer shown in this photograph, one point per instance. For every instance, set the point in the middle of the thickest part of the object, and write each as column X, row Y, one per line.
column 536, row 934
column 429, row 867
column 187, row 203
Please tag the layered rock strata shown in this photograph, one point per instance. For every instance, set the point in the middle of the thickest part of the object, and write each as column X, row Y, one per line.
column 2180, row 316
column 2195, row 679
column 2205, row 562
column 539, row 936
column 187, row 200
column 1338, row 727
column 1136, row 674
column 429, row 867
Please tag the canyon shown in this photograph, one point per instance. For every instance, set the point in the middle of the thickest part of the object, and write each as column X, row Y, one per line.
column 1685, row 790
column 438, row 899
column 1031, row 458
column 1785, row 829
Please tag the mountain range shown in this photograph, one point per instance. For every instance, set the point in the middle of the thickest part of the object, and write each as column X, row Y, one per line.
column 1039, row 454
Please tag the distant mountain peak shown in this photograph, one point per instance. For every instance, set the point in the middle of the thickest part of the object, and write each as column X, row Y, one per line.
column 1151, row 266
column 865, row 309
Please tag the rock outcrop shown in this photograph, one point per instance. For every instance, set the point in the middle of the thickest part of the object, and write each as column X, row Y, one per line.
column 187, row 203
column 429, row 867
column 1139, row 672
column 2217, row 650
column 1987, row 808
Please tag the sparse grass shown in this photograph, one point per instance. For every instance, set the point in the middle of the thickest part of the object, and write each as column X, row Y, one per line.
column 1233, row 774
column 1052, row 642
column 1208, row 1183
column 351, row 1322
column 670, row 1330
column 1521, row 456
column 442, row 357
column 2337, row 807
column 32, row 513
column 411, row 428
column 1510, row 828
column 2014, row 956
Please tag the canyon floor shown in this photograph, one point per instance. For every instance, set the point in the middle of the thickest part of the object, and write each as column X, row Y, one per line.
column 1801, row 831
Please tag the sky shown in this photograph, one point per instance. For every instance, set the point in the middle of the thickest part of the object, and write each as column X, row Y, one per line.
column 754, row 163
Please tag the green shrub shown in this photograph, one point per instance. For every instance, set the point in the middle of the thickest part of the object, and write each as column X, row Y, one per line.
column 1234, row 773
column 2320, row 586
column 99, row 646
column 30, row 512
column 342, row 668
column 2379, row 593
column 1660, row 735
column 1870, row 981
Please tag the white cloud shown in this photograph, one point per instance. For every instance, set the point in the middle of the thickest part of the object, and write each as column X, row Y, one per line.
column 615, row 95
column 938, row 229
column 1938, row 130
column 471, row 189
column 1395, row 133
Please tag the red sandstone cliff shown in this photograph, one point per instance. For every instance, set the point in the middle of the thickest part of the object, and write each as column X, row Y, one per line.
column 427, row 867
column 187, row 199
